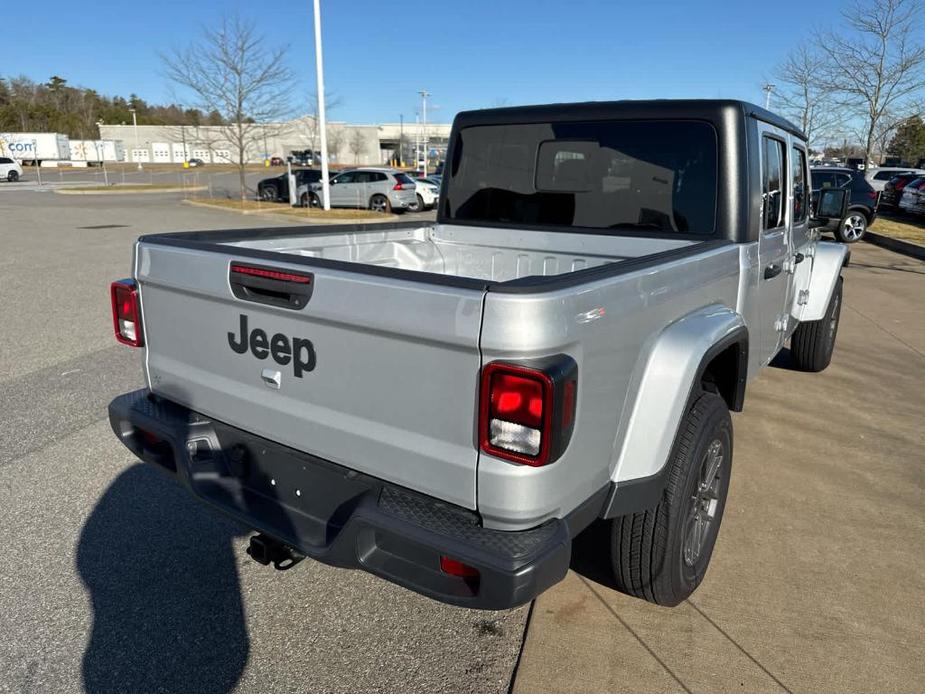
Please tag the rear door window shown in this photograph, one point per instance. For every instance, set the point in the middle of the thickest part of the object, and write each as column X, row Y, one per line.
column 4, row 160
column 799, row 185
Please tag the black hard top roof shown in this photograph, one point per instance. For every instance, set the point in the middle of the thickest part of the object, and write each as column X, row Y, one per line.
column 709, row 109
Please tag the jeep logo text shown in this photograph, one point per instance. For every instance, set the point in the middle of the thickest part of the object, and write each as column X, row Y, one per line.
column 299, row 351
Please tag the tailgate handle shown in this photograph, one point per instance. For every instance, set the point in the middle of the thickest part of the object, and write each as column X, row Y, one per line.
column 271, row 286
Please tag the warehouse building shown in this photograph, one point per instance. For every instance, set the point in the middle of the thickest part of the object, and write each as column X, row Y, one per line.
column 347, row 144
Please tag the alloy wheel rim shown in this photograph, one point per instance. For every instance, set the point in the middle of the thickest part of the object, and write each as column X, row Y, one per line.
column 704, row 503
column 853, row 227
column 378, row 205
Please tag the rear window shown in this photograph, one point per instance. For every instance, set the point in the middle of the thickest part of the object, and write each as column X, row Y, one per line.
column 403, row 178
column 646, row 175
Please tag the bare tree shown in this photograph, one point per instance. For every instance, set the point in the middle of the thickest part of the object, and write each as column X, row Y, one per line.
column 335, row 142
column 312, row 129
column 356, row 144
column 233, row 72
column 804, row 96
column 878, row 66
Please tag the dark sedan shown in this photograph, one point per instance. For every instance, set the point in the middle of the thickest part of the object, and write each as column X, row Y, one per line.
column 276, row 189
column 862, row 202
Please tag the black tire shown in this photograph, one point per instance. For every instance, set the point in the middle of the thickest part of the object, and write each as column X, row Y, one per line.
column 418, row 206
column 813, row 342
column 12, row 176
column 853, row 227
column 380, row 203
column 269, row 193
column 657, row 555
column 314, row 200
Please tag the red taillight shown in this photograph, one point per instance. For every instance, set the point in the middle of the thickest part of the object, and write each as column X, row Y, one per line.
column 126, row 313
column 457, row 568
column 398, row 186
column 872, row 194
column 526, row 414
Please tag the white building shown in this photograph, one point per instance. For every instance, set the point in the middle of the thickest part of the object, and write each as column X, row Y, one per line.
column 347, row 144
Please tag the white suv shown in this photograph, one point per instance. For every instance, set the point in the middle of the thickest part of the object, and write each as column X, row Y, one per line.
column 10, row 170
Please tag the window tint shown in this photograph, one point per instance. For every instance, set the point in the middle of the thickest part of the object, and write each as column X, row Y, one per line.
column 647, row 175
column 404, row 178
column 4, row 160
column 823, row 179
column 842, row 179
column 349, row 177
column 772, row 181
column 884, row 175
column 799, row 185
column 377, row 177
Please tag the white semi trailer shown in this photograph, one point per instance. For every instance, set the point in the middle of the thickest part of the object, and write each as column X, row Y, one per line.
column 44, row 149
column 96, row 151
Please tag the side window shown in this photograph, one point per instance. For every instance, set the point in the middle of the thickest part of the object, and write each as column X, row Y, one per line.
column 349, row 177
column 377, row 177
column 842, row 179
column 823, row 180
column 772, row 178
column 798, row 162
column 4, row 160
column 884, row 175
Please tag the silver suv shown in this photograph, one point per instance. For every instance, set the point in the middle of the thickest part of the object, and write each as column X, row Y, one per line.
column 381, row 190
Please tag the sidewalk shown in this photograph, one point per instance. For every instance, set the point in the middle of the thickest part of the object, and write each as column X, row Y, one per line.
column 817, row 579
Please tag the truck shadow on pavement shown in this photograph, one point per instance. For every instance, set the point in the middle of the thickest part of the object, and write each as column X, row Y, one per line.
column 163, row 581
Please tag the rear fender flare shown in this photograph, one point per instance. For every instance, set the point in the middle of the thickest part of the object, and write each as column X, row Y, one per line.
column 671, row 373
column 827, row 264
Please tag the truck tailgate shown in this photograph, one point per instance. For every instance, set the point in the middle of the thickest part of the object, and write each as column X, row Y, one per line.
column 375, row 373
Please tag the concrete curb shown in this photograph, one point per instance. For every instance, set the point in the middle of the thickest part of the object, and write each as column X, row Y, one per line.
column 293, row 218
column 913, row 250
column 114, row 190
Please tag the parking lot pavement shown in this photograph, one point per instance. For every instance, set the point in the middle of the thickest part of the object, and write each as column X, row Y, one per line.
column 817, row 579
column 115, row 579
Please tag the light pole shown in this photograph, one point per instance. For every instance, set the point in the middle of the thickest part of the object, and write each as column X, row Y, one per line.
column 424, row 94
column 101, row 155
column 319, row 69
column 768, row 88
column 135, row 126
column 38, row 166
column 401, row 139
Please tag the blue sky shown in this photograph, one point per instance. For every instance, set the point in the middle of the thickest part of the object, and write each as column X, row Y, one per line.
column 468, row 54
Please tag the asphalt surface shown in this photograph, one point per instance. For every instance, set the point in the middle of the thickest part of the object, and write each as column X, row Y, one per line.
column 218, row 181
column 818, row 576
column 114, row 578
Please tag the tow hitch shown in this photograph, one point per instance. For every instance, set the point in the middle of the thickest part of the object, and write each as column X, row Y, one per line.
column 266, row 550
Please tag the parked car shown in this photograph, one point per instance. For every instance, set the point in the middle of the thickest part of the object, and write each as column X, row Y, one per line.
column 893, row 190
column 196, row 162
column 428, row 194
column 879, row 177
column 862, row 205
column 913, row 198
column 446, row 406
column 378, row 189
column 277, row 161
column 276, row 188
column 10, row 170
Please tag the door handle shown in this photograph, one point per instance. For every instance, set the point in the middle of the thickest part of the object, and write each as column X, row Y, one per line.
column 798, row 258
column 772, row 270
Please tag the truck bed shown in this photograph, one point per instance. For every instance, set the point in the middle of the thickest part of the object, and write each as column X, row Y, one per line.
column 488, row 254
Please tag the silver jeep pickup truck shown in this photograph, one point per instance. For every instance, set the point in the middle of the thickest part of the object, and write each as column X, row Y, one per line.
column 446, row 405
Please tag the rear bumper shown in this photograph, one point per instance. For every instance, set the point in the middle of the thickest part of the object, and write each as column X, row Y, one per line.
column 340, row 517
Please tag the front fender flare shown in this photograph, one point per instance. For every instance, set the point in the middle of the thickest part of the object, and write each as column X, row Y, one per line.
column 672, row 371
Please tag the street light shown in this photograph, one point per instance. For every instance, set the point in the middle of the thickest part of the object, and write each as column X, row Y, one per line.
column 135, row 126
column 319, row 70
column 102, row 156
column 768, row 88
column 424, row 94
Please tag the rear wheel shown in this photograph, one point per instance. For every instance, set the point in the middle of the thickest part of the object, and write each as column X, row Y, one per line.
column 269, row 194
column 662, row 554
column 380, row 203
column 418, row 205
column 12, row 176
column 813, row 342
column 852, row 228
